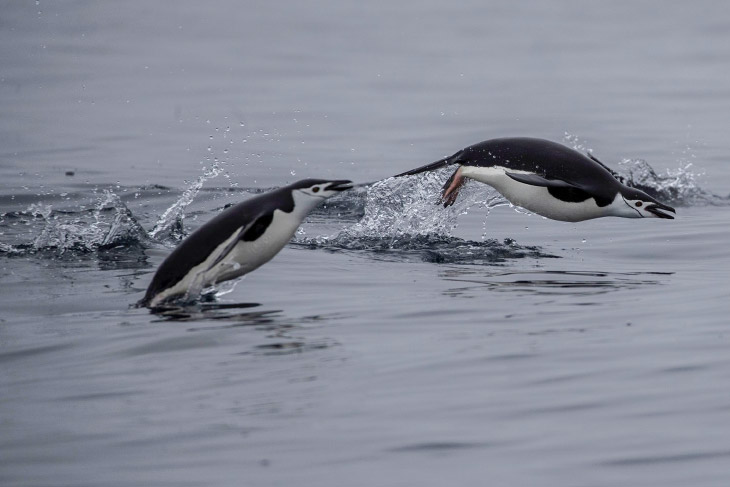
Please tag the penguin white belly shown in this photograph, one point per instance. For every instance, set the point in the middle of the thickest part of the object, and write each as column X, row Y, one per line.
column 247, row 256
column 533, row 198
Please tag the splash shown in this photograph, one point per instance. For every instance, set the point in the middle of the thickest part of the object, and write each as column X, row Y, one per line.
column 111, row 224
column 576, row 143
column 403, row 220
column 106, row 225
column 397, row 208
column 345, row 207
column 676, row 186
column 169, row 226
column 46, row 226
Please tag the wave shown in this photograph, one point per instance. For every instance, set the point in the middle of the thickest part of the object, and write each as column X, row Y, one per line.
column 679, row 187
column 109, row 224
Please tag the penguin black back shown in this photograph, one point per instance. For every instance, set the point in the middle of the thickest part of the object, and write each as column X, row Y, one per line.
column 544, row 157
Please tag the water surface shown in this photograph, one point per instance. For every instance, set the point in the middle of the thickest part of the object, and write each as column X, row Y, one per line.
column 393, row 342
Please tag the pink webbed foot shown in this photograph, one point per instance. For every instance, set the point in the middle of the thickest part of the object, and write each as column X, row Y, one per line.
column 451, row 188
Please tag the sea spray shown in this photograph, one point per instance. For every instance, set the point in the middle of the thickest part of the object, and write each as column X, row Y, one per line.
column 170, row 222
column 404, row 220
column 679, row 187
column 109, row 223
column 400, row 207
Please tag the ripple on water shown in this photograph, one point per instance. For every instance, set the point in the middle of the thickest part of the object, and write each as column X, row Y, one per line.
column 442, row 446
column 550, row 283
column 428, row 248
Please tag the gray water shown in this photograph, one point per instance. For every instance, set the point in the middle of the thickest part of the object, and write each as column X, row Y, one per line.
column 393, row 343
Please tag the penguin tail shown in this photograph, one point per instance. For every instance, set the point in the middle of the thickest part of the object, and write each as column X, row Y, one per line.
column 446, row 161
column 151, row 292
column 142, row 303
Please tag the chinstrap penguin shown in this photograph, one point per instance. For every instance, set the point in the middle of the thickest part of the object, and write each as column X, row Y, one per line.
column 546, row 178
column 238, row 240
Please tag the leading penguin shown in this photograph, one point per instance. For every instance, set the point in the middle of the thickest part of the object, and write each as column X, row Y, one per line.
column 238, row 240
column 548, row 179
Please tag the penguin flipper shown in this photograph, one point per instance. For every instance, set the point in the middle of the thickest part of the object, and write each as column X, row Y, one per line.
column 253, row 230
column 535, row 180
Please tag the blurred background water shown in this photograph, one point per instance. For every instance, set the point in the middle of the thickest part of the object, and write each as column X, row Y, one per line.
column 394, row 342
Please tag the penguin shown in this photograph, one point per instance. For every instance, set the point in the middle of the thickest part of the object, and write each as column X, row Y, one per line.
column 238, row 240
column 546, row 178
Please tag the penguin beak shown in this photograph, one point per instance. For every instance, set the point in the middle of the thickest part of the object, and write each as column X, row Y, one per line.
column 658, row 210
column 340, row 185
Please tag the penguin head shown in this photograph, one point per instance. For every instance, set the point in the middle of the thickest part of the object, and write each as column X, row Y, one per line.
column 309, row 193
column 641, row 205
column 321, row 188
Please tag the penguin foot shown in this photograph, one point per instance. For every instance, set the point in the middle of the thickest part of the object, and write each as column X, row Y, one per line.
column 451, row 188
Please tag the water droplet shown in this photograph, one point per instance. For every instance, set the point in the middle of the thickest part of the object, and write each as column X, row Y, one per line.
column 293, row 173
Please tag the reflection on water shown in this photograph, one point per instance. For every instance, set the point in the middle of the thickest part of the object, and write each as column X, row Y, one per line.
column 548, row 282
column 214, row 311
column 293, row 346
column 280, row 330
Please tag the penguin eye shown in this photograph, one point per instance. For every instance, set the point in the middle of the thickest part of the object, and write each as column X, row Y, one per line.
column 315, row 189
column 638, row 204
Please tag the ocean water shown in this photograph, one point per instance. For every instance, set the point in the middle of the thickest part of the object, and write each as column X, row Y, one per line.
column 393, row 342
